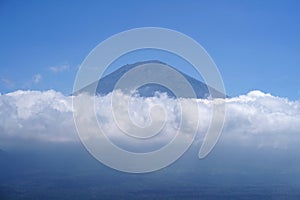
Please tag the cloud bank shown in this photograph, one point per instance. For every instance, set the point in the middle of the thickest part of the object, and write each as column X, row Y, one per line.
column 255, row 119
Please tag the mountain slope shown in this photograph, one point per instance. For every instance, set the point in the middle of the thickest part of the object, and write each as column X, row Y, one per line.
column 107, row 83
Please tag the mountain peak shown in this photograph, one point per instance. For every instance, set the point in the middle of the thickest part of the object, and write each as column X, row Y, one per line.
column 106, row 84
column 127, row 67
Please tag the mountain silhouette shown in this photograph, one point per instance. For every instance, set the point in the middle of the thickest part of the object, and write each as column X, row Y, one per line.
column 107, row 84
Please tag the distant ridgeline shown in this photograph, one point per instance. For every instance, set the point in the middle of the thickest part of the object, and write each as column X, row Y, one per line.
column 106, row 84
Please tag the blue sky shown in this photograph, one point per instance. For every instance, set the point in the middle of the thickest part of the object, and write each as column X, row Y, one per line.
column 255, row 44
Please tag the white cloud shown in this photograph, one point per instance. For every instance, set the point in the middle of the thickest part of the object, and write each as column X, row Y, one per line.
column 256, row 119
column 263, row 120
column 61, row 68
column 41, row 116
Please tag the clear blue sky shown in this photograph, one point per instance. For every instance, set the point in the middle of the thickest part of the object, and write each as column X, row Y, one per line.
column 255, row 44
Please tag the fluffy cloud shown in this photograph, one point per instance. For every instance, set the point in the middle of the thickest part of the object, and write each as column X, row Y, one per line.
column 256, row 119
column 34, row 115
column 262, row 119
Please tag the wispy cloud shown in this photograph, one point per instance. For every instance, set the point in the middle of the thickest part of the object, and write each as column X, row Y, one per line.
column 8, row 83
column 61, row 68
column 37, row 78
